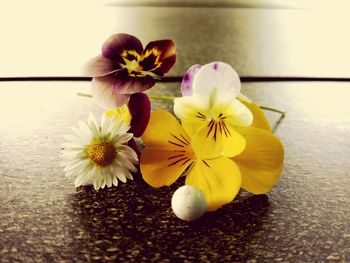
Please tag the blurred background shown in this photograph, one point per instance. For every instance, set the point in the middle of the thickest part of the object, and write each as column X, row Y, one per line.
column 257, row 37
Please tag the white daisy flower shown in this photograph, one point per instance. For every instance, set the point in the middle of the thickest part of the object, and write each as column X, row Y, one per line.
column 97, row 153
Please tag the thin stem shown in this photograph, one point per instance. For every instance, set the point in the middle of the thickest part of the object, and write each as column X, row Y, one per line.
column 158, row 97
column 84, row 94
column 273, row 109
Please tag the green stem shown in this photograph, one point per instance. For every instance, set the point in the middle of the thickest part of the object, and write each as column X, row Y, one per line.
column 273, row 110
column 158, row 97
column 84, row 94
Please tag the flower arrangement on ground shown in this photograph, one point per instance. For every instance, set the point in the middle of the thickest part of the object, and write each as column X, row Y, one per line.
column 219, row 139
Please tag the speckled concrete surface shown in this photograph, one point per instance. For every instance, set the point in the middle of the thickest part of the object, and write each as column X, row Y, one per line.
column 305, row 218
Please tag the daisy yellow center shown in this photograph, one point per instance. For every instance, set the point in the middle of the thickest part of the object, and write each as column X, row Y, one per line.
column 102, row 153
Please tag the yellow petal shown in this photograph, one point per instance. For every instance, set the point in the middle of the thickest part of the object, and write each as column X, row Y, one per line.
column 165, row 132
column 163, row 167
column 259, row 118
column 217, row 138
column 167, row 153
column 121, row 113
column 191, row 114
column 234, row 143
column 219, row 179
column 208, row 143
column 261, row 162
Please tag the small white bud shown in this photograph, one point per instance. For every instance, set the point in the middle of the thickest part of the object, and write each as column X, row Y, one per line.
column 188, row 203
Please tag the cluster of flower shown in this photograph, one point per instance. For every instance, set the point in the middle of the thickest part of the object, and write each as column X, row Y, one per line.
column 222, row 143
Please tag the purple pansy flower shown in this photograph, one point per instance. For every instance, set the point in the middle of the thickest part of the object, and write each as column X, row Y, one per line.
column 125, row 67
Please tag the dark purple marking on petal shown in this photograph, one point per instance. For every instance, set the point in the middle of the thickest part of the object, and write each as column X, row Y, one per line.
column 186, row 85
column 149, row 62
column 216, row 66
column 140, row 111
column 116, row 44
column 130, row 56
column 165, row 66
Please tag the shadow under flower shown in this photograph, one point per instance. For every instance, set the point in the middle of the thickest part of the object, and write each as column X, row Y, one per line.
column 135, row 221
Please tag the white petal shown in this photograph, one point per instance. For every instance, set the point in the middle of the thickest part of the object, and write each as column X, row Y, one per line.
column 85, row 170
column 85, row 129
column 104, row 123
column 71, row 161
column 115, row 181
column 126, row 155
column 128, row 152
column 215, row 83
column 115, row 131
column 240, row 115
column 97, row 180
column 118, row 172
column 81, row 179
column 129, row 175
column 124, row 129
column 121, row 139
column 74, row 139
column 72, row 145
column 70, row 154
column 111, row 123
column 76, row 166
column 108, row 179
column 125, row 163
column 93, row 124
column 90, row 170
column 81, row 134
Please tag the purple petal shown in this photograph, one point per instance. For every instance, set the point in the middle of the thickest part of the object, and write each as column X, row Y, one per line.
column 129, row 85
column 165, row 66
column 105, row 94
column 166, row 58
column 186, row 85
column 99, row 66
column 140, row 111
column 116, row 44
column 166, row 47
column 132, row 144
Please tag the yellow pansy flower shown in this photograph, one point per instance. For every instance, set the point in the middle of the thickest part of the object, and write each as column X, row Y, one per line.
column 209, row 110
column 255, row 164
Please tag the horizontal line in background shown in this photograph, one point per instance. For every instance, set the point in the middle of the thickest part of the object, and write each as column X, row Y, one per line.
column 179, row 79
